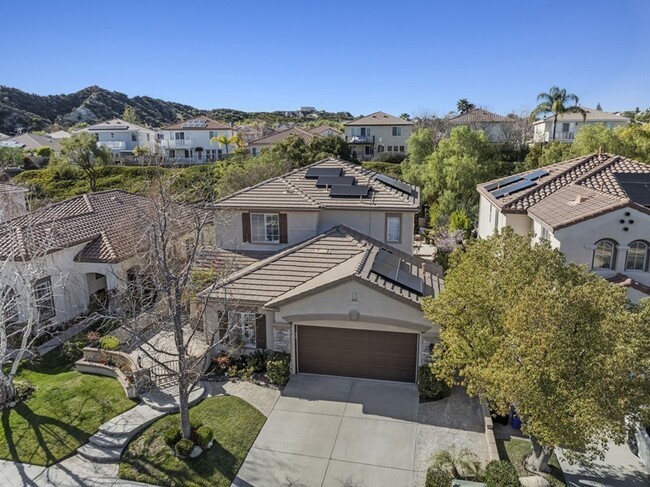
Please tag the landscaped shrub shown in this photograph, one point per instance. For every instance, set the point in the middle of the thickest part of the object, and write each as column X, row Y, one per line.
column 233, row 372
column 109, row 342
column 278, row 368
column 172, row 436
column 501, row 474
column 204, row 436
column 184, row 447
column 23, row 388
column 429, row 386
column 73, row 349
column 257, row 360
column 222, row 362
column 438, row 478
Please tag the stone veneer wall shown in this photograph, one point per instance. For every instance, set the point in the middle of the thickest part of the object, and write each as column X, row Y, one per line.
column 282, row 337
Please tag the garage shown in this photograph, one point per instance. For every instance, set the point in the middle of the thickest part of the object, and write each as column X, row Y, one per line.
column 349, row 352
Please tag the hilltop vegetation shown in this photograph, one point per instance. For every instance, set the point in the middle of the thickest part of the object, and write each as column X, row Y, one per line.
column 30, row 112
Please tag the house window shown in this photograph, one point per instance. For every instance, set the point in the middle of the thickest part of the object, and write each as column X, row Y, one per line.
column 397, row 131
column 363, row 131
column 401, row 148
column 179, row 136
column 241, row 327
column 496, row 220
column 265, row 228
column 172, row 153
column 148, row 137
column 254, row 151
column 604, row 255
column 380, row 148
column 134, row 137
column 112, row 135
column 8, row 305
column 389, row 148
column 565, row 127
column 44, row 298
column 637, row 256
column 545, row 234
column 211, row 134
column 393, row 228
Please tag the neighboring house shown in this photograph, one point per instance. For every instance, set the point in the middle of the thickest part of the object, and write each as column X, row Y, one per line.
column 122, row 137
column 568, row 124
column 595, row 209
column 325, row 130
column 77, row 251
column 30, row 142
column 497, row 127
column 60, row 134
column 339, row 301
column 376, row 133
column 189, row 141
column 256, row 146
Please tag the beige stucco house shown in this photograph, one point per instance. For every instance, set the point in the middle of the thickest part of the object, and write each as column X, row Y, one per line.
column 256, row 146
column 595, row 209
column 331, row 278
column 496, row 127
column 568, row 124
column 376, row 133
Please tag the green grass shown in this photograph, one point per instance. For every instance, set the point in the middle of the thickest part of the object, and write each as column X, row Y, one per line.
column 235, row 424
column 60, row 415
column 516, row 452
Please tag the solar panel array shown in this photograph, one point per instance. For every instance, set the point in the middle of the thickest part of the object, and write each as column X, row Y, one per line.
column 112, row 127
column 502, row 182
column 316, row 172
column 197, row 123
column 394, row 269
column 636, row 186
column 350, row 191
column 512, row 188
column 515, row 183
column 536, row 175
column 395, row 183
column 326, row 181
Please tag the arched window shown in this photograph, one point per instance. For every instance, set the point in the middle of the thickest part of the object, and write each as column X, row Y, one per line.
column 604, row 255
column 637, row 256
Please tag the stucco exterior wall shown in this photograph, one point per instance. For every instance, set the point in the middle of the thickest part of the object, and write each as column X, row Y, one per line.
column 488, row 217
column 194, row 139
column 383, row 132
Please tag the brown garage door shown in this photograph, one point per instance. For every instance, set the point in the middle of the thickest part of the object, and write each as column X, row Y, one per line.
column 357, row 353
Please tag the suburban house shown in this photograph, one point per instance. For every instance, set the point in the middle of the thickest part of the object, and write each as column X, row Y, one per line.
column 497, row 127
column 376, row 133
column 189, row 141
column 595, row 209
column 122, row 137
column 256, row 146
column 60, row 134
column 62, row 259
column 30, row 142
column 325, row 130
column 568, row 124
column 330, row 276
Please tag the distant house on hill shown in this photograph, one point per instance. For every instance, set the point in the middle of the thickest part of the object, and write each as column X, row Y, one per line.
column 31, row 142
column 376, row 133
column 325, row 130
column 568, row 124
column 496, row 127
column 256, row 146
column 121, row 137
column 189, row 140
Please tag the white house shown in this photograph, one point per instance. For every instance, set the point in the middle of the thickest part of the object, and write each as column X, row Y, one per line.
column 497, row 127
column 330, row 275
column 189, row 141
column 376, row 133
column 595, row 209
column 568, row 124
column 122, row 137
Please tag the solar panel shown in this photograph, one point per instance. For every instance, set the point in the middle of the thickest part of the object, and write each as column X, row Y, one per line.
column 388, row 257
column 536, row 175
column 344, row 191
column 636, row 186
column 334, row 181
column 316, row 172
column 394, row 269
column 501, row 183
column 513, row 188
column 385, row 270
column 395, row 183
column 113, row 128
column 632, row 177
column 408, row 280
column 195, row 123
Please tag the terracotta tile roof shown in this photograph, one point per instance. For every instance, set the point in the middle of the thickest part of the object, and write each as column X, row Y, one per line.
column 283, row 134
column 109, row 223
column 293, row 191
column 319, row 129
column 209, row 125
column 379, row 118
column 573, row 190
column 116, row 124
column 478, row 115
column 31, row 141
column 340, row 253
column 592, row 116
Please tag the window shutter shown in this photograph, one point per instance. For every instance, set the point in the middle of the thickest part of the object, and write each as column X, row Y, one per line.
column 246, row 226
column 260, row 331
column 284, row 231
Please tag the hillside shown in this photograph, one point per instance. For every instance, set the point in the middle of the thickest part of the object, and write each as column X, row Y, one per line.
column 29, row 112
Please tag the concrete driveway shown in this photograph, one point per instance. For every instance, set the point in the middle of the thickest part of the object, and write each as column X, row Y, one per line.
column 336, row 432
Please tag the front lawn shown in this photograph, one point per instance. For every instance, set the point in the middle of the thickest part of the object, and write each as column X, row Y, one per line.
column 65, row 410
column 517, row 450
column 235, row 424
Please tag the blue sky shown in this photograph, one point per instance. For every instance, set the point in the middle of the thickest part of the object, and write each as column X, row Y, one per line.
column 409, row 56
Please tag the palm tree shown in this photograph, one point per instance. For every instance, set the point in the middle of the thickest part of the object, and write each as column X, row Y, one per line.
column 224, row 140
column 460, row 463
column 140, row 152
column 555, row 102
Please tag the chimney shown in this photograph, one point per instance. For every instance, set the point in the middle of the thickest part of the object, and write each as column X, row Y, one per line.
column 600, row 150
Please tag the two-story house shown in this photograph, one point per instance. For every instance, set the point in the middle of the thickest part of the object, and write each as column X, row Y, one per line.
column 595, row 209
column 568, row 124
column 497, row 127
column 376, row 133
column 341, row 290
column 122, row 137
column 189, row 141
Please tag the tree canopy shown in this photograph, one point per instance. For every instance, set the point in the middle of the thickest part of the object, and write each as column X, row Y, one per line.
column 81, row 150
column 520, row 326
column 556, row 102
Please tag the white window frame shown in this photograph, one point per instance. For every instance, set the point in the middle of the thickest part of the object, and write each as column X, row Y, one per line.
column 391, row 238
column 644, row 261
column 397, row 131
column 264, row 236
column 612, row 256
column 242, row 325
column 44, row 297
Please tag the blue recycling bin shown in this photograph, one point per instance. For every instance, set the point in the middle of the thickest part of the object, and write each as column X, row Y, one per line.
column 516, row 422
